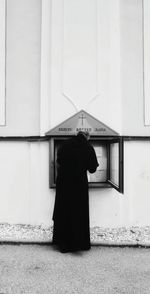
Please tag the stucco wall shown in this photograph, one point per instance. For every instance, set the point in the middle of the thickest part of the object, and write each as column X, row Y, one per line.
column 84, row 54
column 23, row 39
column 113, row 66
column 137, row 181
column 24, row 190
column 111, row 76
column 132, row 68
column 25, row 196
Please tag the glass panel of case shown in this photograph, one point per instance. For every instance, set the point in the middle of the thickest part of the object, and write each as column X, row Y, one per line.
column 56, row 147
column 114, row 163
column 100, row 176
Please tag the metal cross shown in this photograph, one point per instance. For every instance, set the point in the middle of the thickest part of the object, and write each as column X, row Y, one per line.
column 82, row 117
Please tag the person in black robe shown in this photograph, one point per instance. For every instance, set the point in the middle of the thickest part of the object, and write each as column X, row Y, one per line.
column 71, row 230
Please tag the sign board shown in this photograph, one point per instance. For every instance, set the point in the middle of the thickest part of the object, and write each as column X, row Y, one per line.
column 81, row 121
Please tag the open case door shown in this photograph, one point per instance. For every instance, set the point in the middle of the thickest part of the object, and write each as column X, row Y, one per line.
column 115, row 176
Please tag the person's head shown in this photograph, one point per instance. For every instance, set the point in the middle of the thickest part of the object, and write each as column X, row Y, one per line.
column 84, row 134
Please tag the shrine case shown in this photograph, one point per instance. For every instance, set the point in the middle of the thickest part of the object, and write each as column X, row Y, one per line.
column 108, row 146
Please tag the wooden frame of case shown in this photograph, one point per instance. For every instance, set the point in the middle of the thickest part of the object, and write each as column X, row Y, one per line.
column 103, row 140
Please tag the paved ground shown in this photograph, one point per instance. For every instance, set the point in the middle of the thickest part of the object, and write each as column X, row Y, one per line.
column 31, row 269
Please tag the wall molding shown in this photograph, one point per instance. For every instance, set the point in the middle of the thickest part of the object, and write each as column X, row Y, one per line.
column 47, row 138
column 3, row 4
column 146, row 60
column 45, row 65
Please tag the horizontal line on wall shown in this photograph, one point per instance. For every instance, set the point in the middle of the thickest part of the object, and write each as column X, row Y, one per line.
column 47, row 138
column 25, row 138
column 136, row 138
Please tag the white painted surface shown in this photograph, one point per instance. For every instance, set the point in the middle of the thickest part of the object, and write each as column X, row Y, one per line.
column 85, row 54
column 79, row 56
column 146, row 52
column 111, row 209
column 25, row 196
column 23, row 68
column 132, row 88
column 137, row 181
column 24, row 190
column 105, row 208
column 2, row 60
column 45, row 95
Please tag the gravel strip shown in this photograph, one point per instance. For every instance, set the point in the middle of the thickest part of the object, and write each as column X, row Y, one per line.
column 123, row 236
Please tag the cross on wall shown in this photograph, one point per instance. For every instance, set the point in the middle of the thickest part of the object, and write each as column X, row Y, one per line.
column 82, row 117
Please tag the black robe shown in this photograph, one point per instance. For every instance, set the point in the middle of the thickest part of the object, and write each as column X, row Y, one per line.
column 71, row 210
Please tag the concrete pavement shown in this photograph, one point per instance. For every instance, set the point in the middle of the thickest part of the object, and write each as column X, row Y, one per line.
column 32, row 269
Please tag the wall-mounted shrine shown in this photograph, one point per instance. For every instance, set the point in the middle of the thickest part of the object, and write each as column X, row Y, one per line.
column 107, row 143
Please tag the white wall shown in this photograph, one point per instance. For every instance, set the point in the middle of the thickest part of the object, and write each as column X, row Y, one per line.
column 137, row 181
column 23, row 41
column 24, row 189
column 132, row 68
column 105, row 40
column 106, row 81
column 25, row 196
column 2, row 60
column 84, row 59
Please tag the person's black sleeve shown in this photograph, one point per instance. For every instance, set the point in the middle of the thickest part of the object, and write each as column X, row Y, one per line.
column 92, row 160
